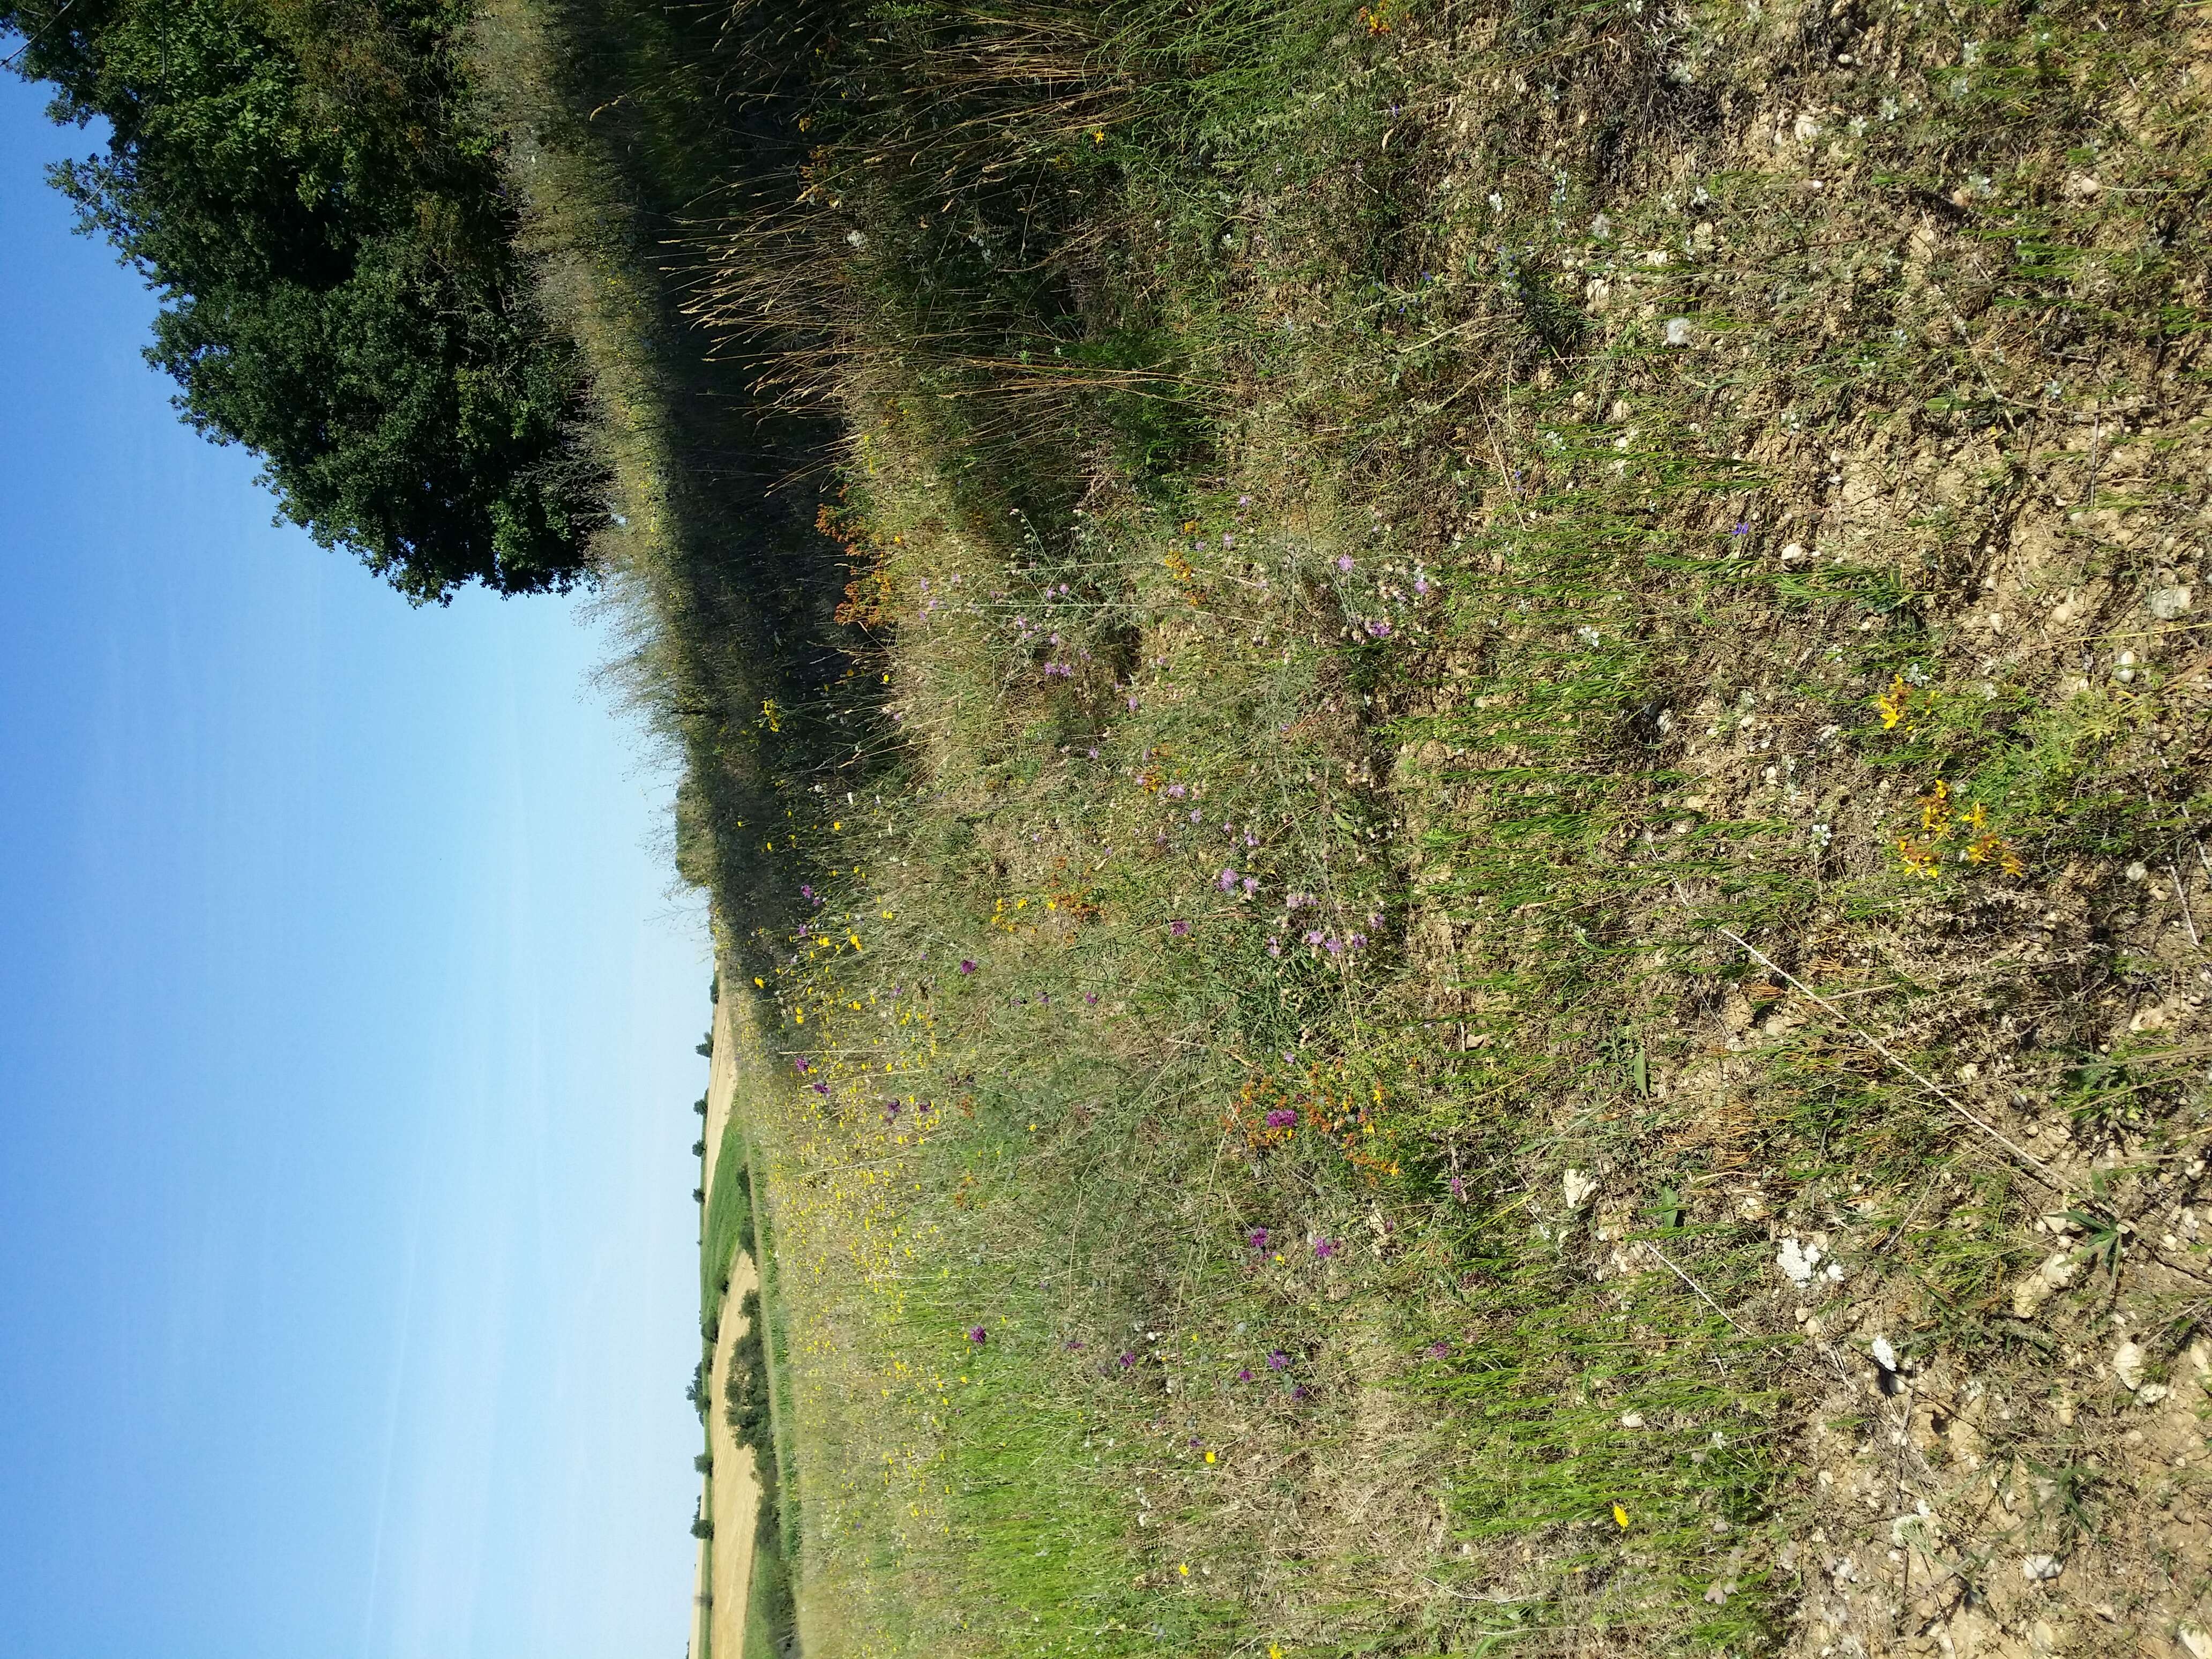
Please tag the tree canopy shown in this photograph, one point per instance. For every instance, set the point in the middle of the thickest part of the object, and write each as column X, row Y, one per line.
column 318, row 201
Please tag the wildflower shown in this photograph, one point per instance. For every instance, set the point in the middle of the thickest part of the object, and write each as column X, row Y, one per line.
column 1439, row 1348
column 1378, row 630
column 1257, row 1238
column 1458, row 1189
column 1741, row 529
column 1344, row 563
column 1274, row 947
column 1251, row 884
column 1620, row 1517
column 1324, row 1248
column 1127, row 1359
column 1180, row 928
column 1209, row 1457
column 978, row 1335
column 1890, row 705
column 1226, row 881
column 1278, row 1360
column 967, row 966
column 1244, row 1374
column 1175, row 791
column 1092, row 998
column 1196, row 813
column 1282, row 1118
column 1183, row 1567
column 1301, row 1394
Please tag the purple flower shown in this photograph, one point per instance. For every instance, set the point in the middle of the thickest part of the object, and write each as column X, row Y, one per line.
column 1251, row 885
column 1175, row 791
column 1344, row 561
column 1358, row 941
column 1277, row 1360
column 1439, row 1348
column 804, row 892
column 1458, row 1189
column 1335, row 946
column 1379, row 630
column 1127, row 1359
column 1244, row 1374
column 967, row 966
column 1741, row 529
column 1227, row 540
column 1313, row 936
column 1282, row 1118
column 1420, row 584
column 1302, row 1394
column 1181, row 929
column 1274, row 947
column 978, row 1335
column 1196, row 813
column 819, row 1087
column 1132, row 705
column 1257, row 1238
column 1226, row 881
column 1244, row 500
column 1092, row 998
column 1324, row 1248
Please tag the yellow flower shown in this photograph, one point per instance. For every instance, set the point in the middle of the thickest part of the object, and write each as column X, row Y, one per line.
column 1209, row 1457
column 1183, row 1567
column 1891, row 704
column 1621, row 1516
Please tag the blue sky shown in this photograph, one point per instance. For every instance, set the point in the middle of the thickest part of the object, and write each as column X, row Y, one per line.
column 346, row 1257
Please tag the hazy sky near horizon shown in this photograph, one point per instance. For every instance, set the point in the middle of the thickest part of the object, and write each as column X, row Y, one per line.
column 347, row 1259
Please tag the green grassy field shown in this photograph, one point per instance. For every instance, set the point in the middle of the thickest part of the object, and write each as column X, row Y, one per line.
column 1479, row 929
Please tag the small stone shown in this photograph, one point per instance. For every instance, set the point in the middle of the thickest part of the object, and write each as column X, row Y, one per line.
column 2197, row 1639
column 2041, row 1569
column 1631, row 1420
column 2168, row 603
column 1578, row 1188
column 2150, row 1394
column 2128, row 1365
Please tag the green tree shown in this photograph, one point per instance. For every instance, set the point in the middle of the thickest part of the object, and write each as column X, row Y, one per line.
column 310, row 187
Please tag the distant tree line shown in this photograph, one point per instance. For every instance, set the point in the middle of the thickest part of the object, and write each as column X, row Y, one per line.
column 321, row 206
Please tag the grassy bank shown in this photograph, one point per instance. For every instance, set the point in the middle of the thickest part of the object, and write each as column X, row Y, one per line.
column 1478, row 902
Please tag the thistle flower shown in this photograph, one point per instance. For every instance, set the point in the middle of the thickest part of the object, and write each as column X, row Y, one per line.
column 978, row 1335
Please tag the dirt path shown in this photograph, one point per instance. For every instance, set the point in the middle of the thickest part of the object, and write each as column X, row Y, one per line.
column 734, row 1488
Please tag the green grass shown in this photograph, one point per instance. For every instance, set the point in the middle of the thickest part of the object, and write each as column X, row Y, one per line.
column 1258, row 456
column 727, row 1226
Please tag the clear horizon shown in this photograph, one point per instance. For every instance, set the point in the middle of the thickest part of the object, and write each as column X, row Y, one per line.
column 348, row 1026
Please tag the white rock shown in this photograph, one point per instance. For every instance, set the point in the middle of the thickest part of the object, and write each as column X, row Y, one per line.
column 1884, row 1355
column 1631, row 1420
column 1798, row 1261
column 2197, row 1639
column 2029, row 1296
column 2150, row 1394
column 2128, row 1365
column 1578, row 1188
column 1678, row 331
column 2041, row 1569
column 2167, row 603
